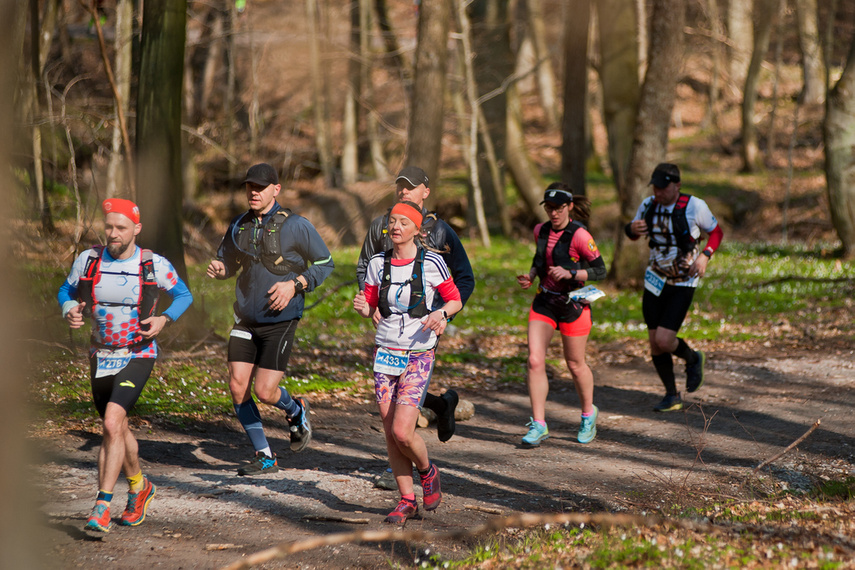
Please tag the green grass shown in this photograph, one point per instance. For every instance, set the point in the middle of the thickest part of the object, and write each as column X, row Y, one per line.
column 733, row 286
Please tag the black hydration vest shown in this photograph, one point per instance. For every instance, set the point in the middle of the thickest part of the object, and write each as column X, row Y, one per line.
column 417, row 307
column 247, row 240
column 679, row 225
column 560, row 253
column 149, row 291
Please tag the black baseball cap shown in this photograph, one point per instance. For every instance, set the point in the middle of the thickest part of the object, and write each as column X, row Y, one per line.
column 262, row 174
column 557, row 196
column 664, row 174
column 414, row 175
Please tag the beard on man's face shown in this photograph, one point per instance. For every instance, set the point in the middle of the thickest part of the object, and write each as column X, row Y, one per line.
column 117, row 248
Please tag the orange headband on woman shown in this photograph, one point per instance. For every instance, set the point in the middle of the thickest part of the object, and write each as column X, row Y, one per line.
column 122, row 206
column 408, row 210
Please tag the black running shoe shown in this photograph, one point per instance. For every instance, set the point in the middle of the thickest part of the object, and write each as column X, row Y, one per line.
column 695, row 372
column 301, row 429
column 669, row 404
column 445, row 424
column 260, row 465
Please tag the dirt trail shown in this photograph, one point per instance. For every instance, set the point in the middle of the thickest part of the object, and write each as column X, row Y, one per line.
column 750, row 408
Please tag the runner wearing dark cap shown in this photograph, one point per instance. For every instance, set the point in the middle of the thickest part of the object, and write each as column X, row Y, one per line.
column 281, row 257
column 566, row 257
column 672, row 222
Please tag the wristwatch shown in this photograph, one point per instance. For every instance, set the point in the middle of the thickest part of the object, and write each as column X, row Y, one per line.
column 445, row 316
column 169, row 320
column 298, row 286
column 707, row 252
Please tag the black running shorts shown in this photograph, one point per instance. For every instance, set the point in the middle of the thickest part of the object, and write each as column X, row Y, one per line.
column 123, row 388
column 669, row 309
column 266, row 346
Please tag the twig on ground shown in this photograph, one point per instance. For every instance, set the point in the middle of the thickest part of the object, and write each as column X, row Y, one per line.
column 789, row 447
column 490, row 510
column 517, row 521
column 335, row 518
column 802, row 279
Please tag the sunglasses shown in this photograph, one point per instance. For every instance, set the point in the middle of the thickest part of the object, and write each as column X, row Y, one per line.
column 553, row 208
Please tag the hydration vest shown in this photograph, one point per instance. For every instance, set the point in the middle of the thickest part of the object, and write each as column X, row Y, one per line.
column 560, row 253
column 679, row 225
column 247, row 240
column 149, row 291
column 417, row 306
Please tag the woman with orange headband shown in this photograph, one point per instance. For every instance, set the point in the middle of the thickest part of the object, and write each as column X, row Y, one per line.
column 402, row 283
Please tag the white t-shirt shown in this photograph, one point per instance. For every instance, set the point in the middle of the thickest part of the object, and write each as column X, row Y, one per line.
column 667, row 259
column 399, row 330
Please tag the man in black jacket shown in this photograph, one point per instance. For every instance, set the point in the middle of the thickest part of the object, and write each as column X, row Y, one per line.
column 412, row 186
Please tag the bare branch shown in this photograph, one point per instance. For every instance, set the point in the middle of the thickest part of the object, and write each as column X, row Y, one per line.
column 120, row 113
column 789, row 447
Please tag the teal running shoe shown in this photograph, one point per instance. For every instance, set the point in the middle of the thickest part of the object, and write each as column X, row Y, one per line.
column 588, row 427
column 536, row 433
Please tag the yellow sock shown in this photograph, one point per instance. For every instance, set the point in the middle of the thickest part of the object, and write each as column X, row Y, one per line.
column 135, row 482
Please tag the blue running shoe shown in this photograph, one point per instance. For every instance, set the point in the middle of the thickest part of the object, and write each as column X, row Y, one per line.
column 588, row 427
column 261, row 464
column 536, row 433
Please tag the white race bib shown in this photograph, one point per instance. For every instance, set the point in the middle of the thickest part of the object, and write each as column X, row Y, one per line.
column 391, row 361
column 110, row 362
column 653, row 282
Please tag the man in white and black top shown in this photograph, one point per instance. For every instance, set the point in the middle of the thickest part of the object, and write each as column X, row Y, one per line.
column 673, row 222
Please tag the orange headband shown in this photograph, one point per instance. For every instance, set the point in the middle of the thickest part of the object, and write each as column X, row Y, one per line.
column 408, row 210
column 122, row 206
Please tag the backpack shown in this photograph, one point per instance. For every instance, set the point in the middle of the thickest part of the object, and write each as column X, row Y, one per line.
column 417, row 306
column 149, row 291
column 679, row 225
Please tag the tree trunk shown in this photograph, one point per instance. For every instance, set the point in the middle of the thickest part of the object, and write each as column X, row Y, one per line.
column 767, row 12
column 160, row 177
column 650, row 141
column 619, row 78
column 574, row 126
column 813, row 64
column 123, row 43
column 323, row 139
column 476, row 197
column 350, row 124
column 230, row 28
column 393, row 50
column 545, row 73
column 643, row 45
column 491, row 43
column 741, row 45
column 21, row 544
column 839, row 133
column 213, row 59
column 37, row 67
column 524, row 173
column 427, row 117
column 375, row 143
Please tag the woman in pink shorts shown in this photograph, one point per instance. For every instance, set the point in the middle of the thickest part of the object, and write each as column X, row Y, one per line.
column 566, row 257
column 401, row 284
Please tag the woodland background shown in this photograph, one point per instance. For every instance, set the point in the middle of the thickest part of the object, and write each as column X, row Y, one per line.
column 168, row 102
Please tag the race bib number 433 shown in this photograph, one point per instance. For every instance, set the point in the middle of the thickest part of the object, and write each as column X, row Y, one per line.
column 391, row 361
